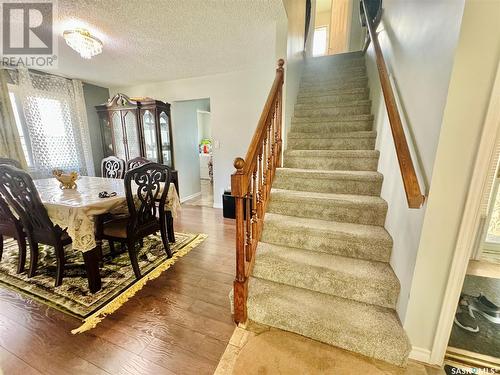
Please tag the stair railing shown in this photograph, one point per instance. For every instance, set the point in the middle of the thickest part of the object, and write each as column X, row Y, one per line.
column 414, row 195
column 251, row 186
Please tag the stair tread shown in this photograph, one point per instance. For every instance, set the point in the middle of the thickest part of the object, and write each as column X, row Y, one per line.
column 350, row 103
column 356, row 134
column 367, row 329
column 352, row 229
column 331, row 118
column 334, row 153
column 329, row 174
column 357, row 279
column 332, row 237
column 284, row 195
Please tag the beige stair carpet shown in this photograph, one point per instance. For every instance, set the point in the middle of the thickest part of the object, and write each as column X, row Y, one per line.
column 322, row 266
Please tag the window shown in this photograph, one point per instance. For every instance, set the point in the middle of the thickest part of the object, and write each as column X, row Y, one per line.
column 320, row 40
column 20, row 130
column 47, row 139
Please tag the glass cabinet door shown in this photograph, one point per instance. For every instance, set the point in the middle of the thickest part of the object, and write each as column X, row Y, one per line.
column 166, row 143
column 106, row 133
column 119, row 141
column 133, row 143
column 150, row 139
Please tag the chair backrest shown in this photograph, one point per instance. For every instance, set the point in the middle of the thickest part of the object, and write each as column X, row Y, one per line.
column 6, row 216
column 135, row 162
column 112, row 167
column 11, row 162
column 146, row 188
column 17, row 187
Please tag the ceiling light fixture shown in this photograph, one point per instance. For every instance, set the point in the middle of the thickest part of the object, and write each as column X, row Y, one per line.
column 83, row 42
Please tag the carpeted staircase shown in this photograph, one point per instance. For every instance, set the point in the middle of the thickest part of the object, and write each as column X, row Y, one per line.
column 322, row 265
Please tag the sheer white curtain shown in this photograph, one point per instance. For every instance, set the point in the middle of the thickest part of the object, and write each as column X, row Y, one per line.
column 10, row 145
column 54, row 122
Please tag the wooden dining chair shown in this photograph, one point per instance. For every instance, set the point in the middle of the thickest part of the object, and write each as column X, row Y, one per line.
column 11, row 162
column 143, row 190
column 136, row 162
column 10, row 226
column 112, row 167
column 17, row 187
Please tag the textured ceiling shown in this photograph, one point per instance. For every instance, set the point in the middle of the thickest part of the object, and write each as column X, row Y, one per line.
column 157, row 40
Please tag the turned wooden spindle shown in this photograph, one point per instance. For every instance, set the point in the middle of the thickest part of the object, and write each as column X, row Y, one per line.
column 251, row 185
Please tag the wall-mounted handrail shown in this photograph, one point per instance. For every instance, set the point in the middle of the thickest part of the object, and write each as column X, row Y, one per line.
column 413, row 192
column 251, row 187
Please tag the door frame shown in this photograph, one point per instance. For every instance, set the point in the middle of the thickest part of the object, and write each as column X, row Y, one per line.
column 475, row 210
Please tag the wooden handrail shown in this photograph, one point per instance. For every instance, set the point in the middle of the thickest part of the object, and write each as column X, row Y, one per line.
column 413, row 192
column 251, row 187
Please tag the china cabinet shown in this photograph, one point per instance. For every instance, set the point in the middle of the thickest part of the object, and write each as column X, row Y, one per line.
column 133, row 127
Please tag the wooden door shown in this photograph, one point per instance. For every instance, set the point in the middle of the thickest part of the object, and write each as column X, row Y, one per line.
column 340, row 26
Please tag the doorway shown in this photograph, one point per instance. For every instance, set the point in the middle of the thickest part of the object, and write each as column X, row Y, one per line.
column 468, row 331
column 206, row 159
column 192, row 134
column 337, row 27
column 475, row 335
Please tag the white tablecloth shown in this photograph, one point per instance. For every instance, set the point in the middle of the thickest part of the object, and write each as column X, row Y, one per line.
column 75, row 210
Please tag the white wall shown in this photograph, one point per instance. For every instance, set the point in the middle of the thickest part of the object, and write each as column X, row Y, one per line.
column 357, row 33
column 186, row 140
column 236, row 102
column 418, row 39
column 294, row 49
column 476, row 61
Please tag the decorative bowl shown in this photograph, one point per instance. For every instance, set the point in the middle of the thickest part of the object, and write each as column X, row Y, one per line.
column 67, row 180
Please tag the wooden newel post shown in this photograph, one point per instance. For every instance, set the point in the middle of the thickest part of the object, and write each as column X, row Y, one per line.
column 238, row 191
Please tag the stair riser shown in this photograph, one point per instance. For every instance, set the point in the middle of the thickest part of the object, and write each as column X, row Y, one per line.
column 322, row 87
column 308, row 323
column 331, row 118
column 331, row 87
column 334, row 111
column 330, row 164
column 301, row 107
column 327, row 82
column 330, row 243
column 332, row 91
column 333, row 186
column 338, row 64
column 332, row 127
column 320, row 280
column 333, row 72
column 345, row 212
column 332, row 99
column 331, row 144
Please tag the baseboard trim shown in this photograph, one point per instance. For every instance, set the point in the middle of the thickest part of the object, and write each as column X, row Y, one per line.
column 195, row 195
column 217, row 205
column 420, row 355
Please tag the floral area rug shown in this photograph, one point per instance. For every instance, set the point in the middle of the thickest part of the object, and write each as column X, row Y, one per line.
column 73, row 297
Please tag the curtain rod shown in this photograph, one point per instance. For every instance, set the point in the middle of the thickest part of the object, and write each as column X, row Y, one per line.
column 41, row 72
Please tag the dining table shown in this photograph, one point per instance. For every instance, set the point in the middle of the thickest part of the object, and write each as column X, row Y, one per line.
column 75, row 210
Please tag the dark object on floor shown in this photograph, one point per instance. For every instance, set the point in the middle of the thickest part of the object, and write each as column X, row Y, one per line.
column 465, row 319
column 486, row 308
column 229, row 208
column 20, row 192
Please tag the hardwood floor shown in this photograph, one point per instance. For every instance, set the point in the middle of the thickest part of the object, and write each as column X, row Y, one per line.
column 179, row 323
